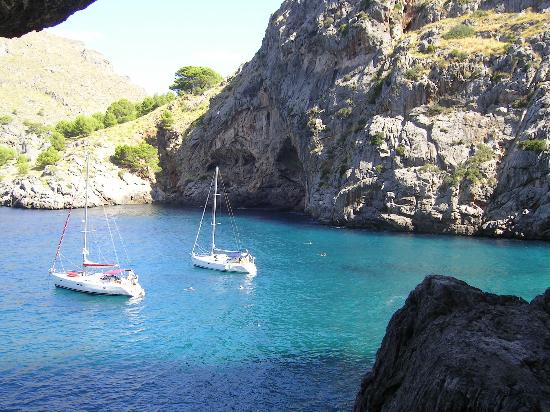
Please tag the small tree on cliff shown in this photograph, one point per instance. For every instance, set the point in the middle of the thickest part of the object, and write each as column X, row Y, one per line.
column 195, row 80
column 49, row 156
column 122, row 110
column 142, row 159
column 166, row 120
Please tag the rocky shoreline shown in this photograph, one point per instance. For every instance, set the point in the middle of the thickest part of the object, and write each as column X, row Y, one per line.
column 366, row 114
column 452, row 347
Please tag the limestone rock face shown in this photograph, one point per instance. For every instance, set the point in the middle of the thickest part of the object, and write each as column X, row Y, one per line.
column 454, row 348
column 18, row 17
column 368, row 114
column 62, row 186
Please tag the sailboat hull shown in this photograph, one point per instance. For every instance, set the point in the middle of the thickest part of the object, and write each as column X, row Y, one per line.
column 223, row 263
column 97, row 284
column 220, row 259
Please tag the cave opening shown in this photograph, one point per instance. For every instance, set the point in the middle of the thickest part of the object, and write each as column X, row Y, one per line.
column 291, row 174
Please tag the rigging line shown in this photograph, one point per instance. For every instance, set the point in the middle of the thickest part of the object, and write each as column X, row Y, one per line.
column 202, row 218
column 110, row 234
column 122, row 242
column 59, row 255
column 61, row 242
column 234, row 226
column 69, row 260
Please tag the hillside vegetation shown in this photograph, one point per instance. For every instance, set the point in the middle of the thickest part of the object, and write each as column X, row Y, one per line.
column 62, row 101
column 124, row 158
column 46, row 78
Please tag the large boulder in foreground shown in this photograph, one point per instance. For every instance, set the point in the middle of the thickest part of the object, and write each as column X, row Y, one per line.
column 453, row 347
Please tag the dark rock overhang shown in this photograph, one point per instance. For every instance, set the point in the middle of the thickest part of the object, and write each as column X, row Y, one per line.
column 18, row 17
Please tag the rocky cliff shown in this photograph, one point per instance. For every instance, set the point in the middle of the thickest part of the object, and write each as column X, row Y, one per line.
column 408, row 115
column 454, row 348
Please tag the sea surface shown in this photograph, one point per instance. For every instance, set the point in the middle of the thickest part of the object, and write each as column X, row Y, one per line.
column 298, row 336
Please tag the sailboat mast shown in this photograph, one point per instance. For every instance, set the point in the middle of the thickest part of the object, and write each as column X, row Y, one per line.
column 85, row 250
column 214, row 210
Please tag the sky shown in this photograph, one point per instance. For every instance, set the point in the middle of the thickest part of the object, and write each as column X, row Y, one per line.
column 148, row 40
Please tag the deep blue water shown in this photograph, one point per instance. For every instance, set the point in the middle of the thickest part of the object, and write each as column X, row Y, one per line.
column 298, row 336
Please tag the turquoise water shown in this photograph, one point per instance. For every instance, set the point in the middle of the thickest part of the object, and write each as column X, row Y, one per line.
column 298, row 336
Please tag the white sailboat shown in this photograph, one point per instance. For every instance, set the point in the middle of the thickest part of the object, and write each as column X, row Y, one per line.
column 95, row 278
column 240, row 261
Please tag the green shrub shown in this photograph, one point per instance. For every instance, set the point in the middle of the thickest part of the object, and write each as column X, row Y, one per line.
column 429, row 168
column 458, row 55
column 378, row 139
column 6, row 154
column 479, row 13
column 329, row 21
column 460, row 31
column 195, row 80
column 498, row 76
column 522, row 101
column 471, row 168
column 123, row 110
column 5, row 119
column 435, row 109
column 57, row 140
column 483, row 154
column 65, row 127
column 40, row 112
column 379, row 168
column 362, row 15
column 533, row 145
column 344, row 29
column 84, row 126
column 38, row 129
column 22, row 165
column 430, row 49
column 166, row 120
column 99, row 118
column 414, row 73
column 151, row 103
column 142, row 158
column 377, row 90
column 400, row 150
column 109, row 120
column 344, row 112
column 81, row 126
column 49, row 156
